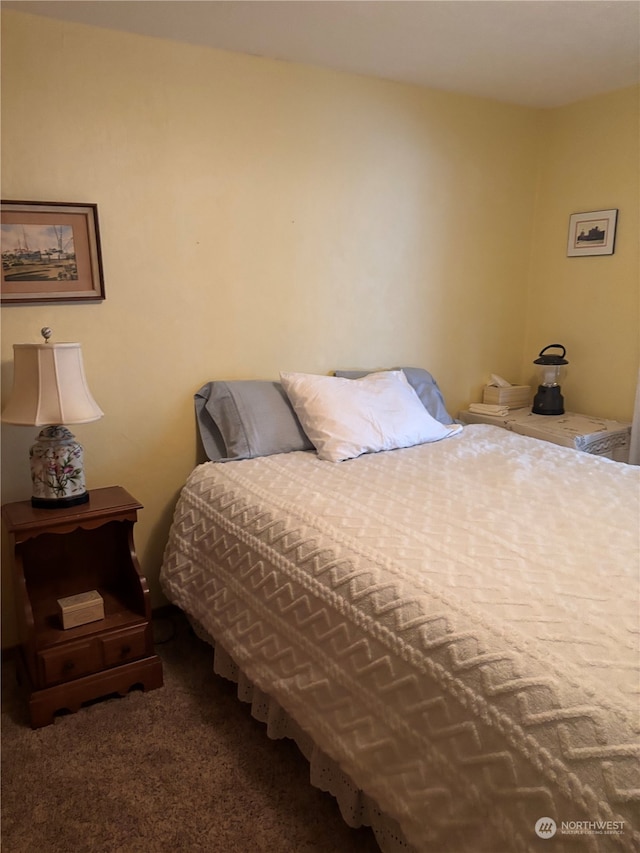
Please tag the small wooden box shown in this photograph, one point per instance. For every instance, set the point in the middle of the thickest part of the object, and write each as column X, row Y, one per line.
column 82, row 608
column 513, row 397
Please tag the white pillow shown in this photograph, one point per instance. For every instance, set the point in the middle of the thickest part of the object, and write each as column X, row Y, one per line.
column 344, row 418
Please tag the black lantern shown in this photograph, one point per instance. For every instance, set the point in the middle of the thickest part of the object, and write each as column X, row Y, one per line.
column 549, row 400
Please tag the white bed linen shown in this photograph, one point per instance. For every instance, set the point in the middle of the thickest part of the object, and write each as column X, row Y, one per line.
column 455, row 624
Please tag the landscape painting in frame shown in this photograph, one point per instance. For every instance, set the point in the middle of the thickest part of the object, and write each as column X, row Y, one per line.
column 50, row 252
column 592, row 233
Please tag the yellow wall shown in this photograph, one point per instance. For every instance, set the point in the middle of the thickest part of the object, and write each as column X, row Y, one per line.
column 589, row 160
column 259, row 216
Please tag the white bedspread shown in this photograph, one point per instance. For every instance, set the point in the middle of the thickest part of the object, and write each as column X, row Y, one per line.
column 456, row 624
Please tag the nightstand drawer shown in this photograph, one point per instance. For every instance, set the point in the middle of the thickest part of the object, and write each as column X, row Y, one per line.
column 122, row 646
column 69, row 662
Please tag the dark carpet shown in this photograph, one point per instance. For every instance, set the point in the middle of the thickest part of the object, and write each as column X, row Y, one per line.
column 182, row 768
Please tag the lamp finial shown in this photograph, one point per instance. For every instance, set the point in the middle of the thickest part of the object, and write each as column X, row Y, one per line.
column 46, row 333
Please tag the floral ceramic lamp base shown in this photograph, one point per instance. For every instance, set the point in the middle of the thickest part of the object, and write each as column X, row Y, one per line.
column 57, row 470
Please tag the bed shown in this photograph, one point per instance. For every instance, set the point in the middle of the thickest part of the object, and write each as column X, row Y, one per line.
column 449, row 628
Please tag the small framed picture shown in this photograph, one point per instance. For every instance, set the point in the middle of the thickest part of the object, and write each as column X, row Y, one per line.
column 50, row 252
column 592, row 233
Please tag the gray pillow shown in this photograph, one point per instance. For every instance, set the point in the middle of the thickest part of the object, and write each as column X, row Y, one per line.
column 247, row 418
column 422, row 383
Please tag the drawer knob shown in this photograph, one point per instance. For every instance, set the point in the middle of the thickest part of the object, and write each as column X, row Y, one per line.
column 126, row 650
column 68, row 665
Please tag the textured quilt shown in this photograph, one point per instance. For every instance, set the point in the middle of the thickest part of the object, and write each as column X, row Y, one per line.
column 456, row 624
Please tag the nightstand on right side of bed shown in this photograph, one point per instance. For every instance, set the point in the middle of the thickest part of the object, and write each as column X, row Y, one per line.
column 598, row 436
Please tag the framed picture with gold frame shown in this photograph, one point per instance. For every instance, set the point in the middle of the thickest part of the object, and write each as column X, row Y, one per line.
column 592, row 233
column 50, row 252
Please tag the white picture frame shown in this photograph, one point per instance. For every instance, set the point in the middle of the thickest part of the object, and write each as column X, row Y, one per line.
column 592, row 233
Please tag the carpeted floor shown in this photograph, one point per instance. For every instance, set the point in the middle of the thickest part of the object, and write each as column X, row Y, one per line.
column 183, row 768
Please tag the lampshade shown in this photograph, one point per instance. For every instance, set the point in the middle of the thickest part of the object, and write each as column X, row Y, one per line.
column 49, row 386
column 49, row 390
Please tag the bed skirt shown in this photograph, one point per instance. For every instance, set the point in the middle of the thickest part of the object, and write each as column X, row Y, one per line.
column 357, row 809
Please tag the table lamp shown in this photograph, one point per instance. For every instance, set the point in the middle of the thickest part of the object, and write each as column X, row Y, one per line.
column 50, row 389
column 549, row 399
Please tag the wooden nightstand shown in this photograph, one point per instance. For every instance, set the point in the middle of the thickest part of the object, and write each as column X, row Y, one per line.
column 598, row 436
column 62, row 552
